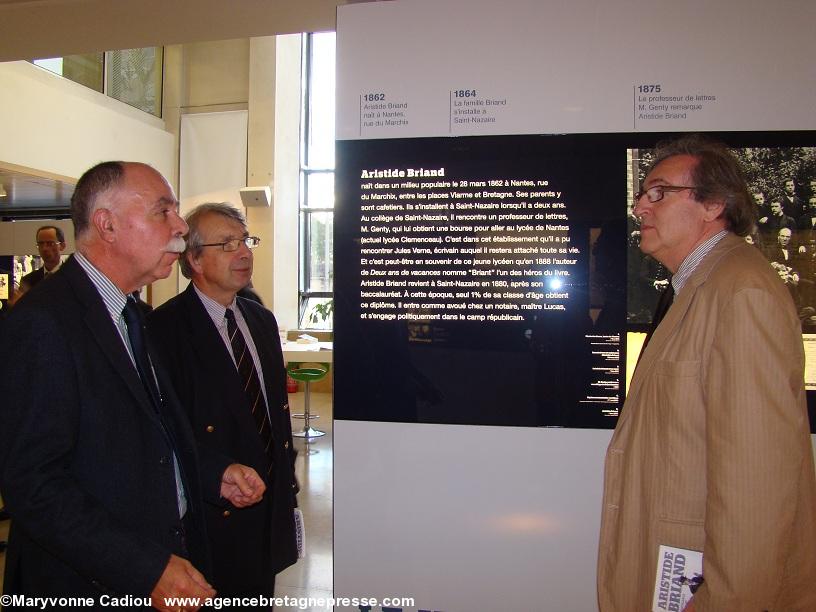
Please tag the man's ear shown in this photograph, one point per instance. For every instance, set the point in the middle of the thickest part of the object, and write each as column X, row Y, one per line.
column 61, row 246
column 195, row 263
column 713, row 210
column 104, row 223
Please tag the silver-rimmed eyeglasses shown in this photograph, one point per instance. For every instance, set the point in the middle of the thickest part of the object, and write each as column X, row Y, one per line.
column 656, row 193
column 233, row 244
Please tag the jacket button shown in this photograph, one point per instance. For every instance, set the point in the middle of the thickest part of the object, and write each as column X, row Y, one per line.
column 164, row 460
column 210, row 429
column 286, row 444
column 226, row 513
column 286, row 406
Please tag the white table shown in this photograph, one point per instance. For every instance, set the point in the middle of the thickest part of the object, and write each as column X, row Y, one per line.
column 320, row 352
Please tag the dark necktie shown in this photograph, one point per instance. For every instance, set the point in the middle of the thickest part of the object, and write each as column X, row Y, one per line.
column 666, row 299
column 663, row 304
column 252, row 383
column 136, row 334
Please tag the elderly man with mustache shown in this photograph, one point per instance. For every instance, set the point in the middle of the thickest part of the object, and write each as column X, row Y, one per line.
column 98, row 467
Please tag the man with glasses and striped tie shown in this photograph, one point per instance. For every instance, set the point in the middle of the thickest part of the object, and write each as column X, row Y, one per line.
column 227, row 367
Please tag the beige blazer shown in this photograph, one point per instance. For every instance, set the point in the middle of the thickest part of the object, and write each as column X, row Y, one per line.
column 712, row 450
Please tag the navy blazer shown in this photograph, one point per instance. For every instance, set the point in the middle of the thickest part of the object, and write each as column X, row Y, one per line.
column 86, row 468
column 34, row 277
column 249, row 545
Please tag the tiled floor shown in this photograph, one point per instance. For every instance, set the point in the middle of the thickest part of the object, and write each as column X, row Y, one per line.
column 311, row 576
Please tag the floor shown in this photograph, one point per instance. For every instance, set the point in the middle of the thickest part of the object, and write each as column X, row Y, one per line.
column 311, row 576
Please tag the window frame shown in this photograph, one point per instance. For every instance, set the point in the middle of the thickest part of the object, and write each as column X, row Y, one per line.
column 306, row 212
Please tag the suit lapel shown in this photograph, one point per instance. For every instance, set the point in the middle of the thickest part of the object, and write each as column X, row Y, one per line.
column 675, row 315
column 102, row 329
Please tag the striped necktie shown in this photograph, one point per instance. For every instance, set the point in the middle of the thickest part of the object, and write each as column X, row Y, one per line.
column 252, row 384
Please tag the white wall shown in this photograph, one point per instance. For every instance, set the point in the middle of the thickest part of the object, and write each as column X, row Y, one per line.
column 287, row 181
column 60, row 127
column 20, row 237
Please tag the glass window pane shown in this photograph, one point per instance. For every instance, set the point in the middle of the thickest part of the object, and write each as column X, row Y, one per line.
column 52, row 64
column 320, row 274
column 320, row 190
column 321, row 102
column 317, row 183
column 318, row 314
column 134, row 76
column 85, row 69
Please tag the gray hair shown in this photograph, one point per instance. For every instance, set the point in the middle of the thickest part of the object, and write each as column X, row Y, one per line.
column 194, row 240
column 90, row 185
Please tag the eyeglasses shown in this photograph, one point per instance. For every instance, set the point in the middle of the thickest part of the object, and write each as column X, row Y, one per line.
column 235, row 243
column 48, row 243
column 656, row 193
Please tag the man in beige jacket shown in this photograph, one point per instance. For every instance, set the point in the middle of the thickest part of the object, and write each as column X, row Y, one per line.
column 712, row 451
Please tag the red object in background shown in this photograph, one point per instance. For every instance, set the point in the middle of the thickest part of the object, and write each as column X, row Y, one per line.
column 291, row 384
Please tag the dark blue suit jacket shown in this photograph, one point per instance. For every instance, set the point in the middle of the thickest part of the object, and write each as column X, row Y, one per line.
column 86, row 468
column 249, row 545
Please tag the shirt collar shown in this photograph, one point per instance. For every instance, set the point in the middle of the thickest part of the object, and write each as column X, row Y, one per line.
column 111, row 295
column 47, row 272
column 693, row 260
column 213, row 308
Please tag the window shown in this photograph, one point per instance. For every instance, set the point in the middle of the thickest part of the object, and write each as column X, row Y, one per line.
column 132, row 76
column 317, row 182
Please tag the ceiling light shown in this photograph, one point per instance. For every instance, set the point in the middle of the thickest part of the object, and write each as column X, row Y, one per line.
column 3, row 193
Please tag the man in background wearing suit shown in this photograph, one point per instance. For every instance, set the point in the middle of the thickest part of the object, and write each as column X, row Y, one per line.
column 712, row 450
column 218, row 345
column 98, row 466
column 50, row 244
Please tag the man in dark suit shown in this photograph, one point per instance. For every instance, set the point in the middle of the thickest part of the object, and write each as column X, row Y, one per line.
column 808, row 220
column 98, row 466
column 794, row 205
column 50, row 245
column 197, row 333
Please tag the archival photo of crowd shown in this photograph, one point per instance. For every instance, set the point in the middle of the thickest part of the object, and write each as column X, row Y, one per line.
column 782, row 181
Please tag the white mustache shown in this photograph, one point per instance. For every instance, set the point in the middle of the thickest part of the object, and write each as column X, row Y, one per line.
column 176, row 245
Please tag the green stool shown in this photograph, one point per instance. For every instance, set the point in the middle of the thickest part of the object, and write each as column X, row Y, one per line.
column 307, row 376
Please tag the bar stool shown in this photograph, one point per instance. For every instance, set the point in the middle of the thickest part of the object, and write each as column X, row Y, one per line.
column 307, row 376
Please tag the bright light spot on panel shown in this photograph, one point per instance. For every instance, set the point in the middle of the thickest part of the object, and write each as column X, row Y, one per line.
column 556, row 283
column 526, row 522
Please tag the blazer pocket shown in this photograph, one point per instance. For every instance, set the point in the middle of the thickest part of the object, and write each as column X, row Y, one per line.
column 680, row 425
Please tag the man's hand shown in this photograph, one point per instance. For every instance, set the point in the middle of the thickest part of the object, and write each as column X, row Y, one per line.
column 241, row 485
column 689, row 606
column 180, row 579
